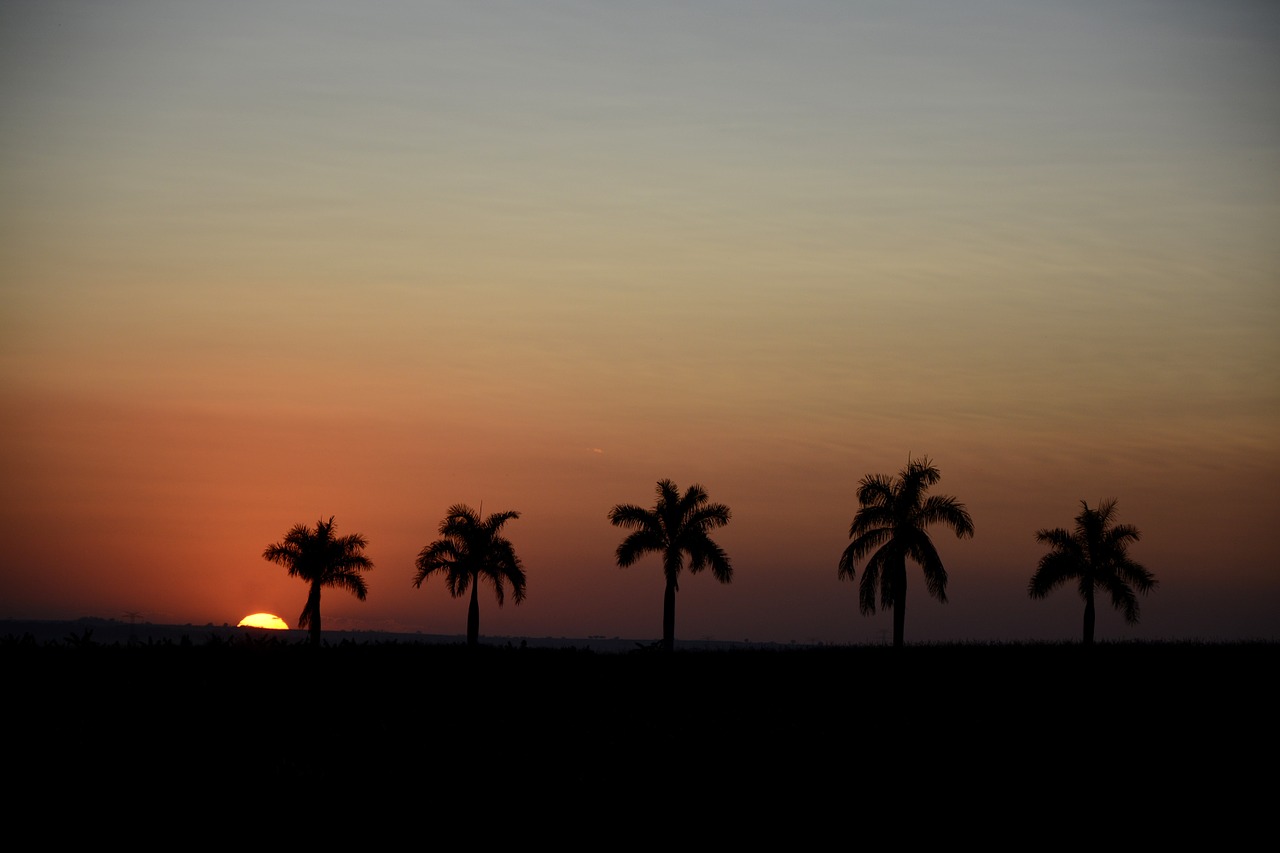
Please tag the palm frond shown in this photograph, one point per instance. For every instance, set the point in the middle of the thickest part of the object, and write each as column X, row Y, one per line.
column 502, row 567
column 872, row 517
column 708, row 517
column 637, row 544
column 496, row 520
column 848, row 568
column 353, row 583
column 870, row 583
column 868, row 542
column 457, row 581
column 876, row 490
column 944, row 509
column 703, row 553
column 439, row 556
column 922, row 550
column 1135, row 573
column 1122, row 596
column 1054, row 569
column 1057, row 538
column 632, row 517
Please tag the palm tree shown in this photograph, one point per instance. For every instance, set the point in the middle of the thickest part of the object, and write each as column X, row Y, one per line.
column 321, row 559
column 890, row 526
column 677, row 525
column 1096, row 555
column 470, row 549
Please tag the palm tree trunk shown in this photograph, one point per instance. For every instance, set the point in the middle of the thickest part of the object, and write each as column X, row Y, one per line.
column 669, row 614
column 473, row 613
column 899, row 618
column 900, row 603
column 1088, row 615
column 313, row 607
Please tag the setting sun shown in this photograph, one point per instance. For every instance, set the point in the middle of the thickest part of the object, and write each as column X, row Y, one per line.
column 263, row 620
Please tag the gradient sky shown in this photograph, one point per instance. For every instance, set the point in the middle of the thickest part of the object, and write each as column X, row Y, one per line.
column 267, row 262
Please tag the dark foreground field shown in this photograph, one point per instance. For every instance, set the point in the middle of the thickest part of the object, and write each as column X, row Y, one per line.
column 1184, row 732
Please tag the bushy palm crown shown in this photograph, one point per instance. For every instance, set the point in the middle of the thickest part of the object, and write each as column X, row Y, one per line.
column 677, row 525
column 322, row 559
column 1096, row 555
column 471, row 548
column 890, row 526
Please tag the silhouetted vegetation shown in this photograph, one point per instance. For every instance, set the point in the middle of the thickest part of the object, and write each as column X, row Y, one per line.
column 1096, row 555
column 891, row 527
column 470, row 549
column 321, row 559
column 677, row 525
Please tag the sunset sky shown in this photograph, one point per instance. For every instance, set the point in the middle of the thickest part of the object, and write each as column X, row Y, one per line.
column 267, row 262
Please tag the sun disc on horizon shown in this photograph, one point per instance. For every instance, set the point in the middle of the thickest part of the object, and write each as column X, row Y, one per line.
column 263, row 620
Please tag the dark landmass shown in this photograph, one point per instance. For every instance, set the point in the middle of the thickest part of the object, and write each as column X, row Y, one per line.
column 100, row 631
column 1171, row 728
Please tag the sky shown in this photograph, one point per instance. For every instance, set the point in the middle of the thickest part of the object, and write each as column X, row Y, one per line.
column 264, row 263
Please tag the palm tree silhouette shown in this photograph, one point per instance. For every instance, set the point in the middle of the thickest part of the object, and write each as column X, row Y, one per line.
column 470, row 549
column 321, row 559
column 1096, row 554
column 890, row 527
column 677, row 525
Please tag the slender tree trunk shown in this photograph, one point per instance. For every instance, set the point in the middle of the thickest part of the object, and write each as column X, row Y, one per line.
column 669, row 614
column 313, row 608
column 899, row 618
column 900, row 605
column 1088, row 615
column 473, row 614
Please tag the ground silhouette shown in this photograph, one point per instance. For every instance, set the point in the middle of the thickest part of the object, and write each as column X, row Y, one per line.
column 749, row 743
